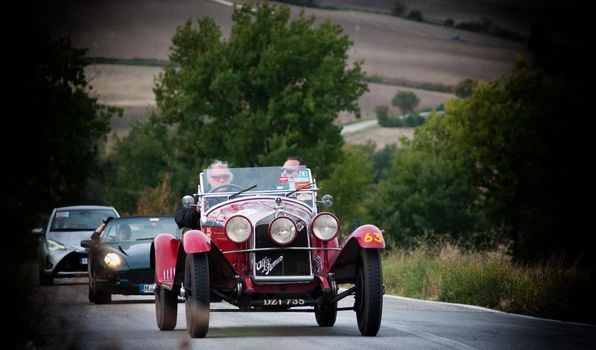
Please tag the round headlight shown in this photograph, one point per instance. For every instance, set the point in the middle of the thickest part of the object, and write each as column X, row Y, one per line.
column 325, row 226
column 112, row 260
column 238, row 229
column 282, row 230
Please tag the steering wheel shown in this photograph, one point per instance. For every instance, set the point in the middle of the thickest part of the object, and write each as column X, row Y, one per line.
column 226, row 188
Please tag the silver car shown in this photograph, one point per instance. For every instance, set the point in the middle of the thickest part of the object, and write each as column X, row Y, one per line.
column 60, row 252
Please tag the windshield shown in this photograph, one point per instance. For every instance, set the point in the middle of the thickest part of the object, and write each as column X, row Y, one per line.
column 138, row 228
column 79, row 219
column 223, row 184
column 264, row 179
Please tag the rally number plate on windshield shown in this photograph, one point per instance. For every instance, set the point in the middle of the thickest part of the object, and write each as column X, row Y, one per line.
column 83, row 261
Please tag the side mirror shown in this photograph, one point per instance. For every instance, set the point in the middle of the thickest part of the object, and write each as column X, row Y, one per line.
column 188, row 201
column 327, row 200
column 38, row 231
column 88, row 243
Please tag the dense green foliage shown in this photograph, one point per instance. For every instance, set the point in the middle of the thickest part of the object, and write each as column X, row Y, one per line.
column 350, row 184
column 406, row 101
column 50, row 151
column 270, row 90
column 509, row 133
column 465, row 88
column 496, row 164
column 62, row 126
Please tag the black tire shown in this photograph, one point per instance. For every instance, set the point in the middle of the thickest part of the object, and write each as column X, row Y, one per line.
column 166, row 308
column 369, row 292
column 97, row 295
column 326, row 314
column 196, row 282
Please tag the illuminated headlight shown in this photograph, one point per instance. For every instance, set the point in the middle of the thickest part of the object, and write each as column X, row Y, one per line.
column 238, row 229
column 325, row 226
column 53, row 245
column 112, row 260
column 282, row 230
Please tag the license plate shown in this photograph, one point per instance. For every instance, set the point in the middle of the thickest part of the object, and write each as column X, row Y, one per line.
column 147, row 288
column 83, row 261
column 290, row 302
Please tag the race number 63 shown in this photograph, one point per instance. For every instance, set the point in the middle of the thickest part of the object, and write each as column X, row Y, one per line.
column 374, row 237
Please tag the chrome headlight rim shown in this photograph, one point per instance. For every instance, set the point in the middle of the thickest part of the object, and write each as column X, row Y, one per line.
column 271, row 234
column 112, row 260
column 314, row 231
column 230, row 221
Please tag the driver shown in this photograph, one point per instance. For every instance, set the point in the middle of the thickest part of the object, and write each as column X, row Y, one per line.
column 218, row 174
column 123, row 232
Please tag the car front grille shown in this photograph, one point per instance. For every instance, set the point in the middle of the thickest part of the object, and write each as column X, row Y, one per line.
column 140, row 276
column 281, row 261
column 72, row 263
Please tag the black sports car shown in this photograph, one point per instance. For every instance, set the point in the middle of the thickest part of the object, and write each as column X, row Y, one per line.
column 119, row 261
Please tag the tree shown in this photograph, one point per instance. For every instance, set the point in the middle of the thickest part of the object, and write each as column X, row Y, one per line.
column 144, row 162
column 54, row 130
column 464, row 88
column 425, row 194
column 61, row 126
column 350, row 184
column 273, row 88
column 406, row 101
column 517, row 137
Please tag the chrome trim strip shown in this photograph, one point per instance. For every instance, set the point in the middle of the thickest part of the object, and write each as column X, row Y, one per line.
column 277, row 279
column 252, row 250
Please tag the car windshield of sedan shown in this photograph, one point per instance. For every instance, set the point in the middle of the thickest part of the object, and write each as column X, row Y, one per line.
column 79, row 219
column 138, row 228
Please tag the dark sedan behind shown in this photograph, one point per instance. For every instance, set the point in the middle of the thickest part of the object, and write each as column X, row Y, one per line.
column 119, row 261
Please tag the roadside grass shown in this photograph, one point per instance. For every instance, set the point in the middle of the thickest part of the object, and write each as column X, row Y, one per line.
column 491, row 279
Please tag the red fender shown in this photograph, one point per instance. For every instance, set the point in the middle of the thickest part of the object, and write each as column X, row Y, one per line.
column 166, row 251
column 368, row 236
column 196, row 241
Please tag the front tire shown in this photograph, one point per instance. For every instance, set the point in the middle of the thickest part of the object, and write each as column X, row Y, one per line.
column 96, row 295
column 196, row 283
column 369, row 292
column 166, row 308
column 326, row 314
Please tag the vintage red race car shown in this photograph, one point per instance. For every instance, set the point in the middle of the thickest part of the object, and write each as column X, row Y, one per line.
column 263, row 245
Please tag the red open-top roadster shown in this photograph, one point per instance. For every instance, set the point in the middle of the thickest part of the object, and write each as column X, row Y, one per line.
column 264, row 246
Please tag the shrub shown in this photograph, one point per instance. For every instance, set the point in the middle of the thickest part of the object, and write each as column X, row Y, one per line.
column 449, row 22
column 415, row 15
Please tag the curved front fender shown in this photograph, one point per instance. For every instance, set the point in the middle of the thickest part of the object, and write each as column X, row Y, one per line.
column 368, row 236
column 195, row 241
column 165, row 250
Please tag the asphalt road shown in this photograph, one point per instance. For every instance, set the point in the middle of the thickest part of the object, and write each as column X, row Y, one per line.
column 69, row 321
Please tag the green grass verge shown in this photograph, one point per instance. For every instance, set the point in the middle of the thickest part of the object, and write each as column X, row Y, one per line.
column 491, row 279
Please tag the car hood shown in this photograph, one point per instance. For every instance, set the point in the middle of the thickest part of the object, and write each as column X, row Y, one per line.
column 70, row 239
column 136, row 253
column 257, row 208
